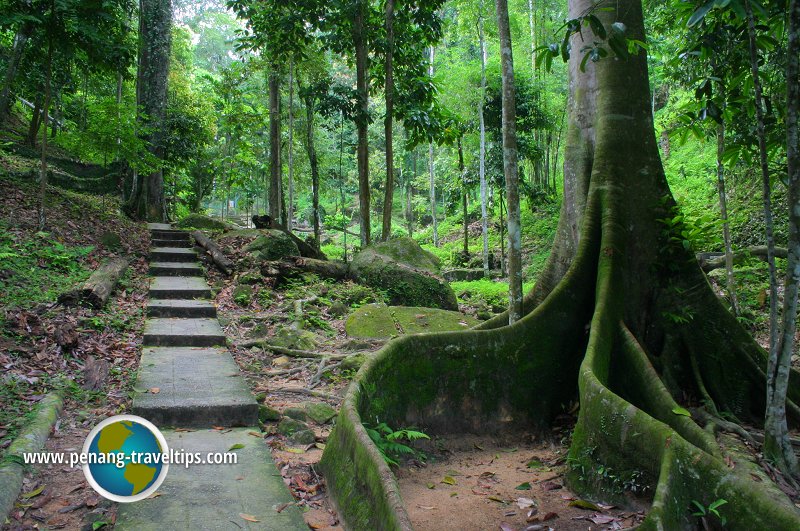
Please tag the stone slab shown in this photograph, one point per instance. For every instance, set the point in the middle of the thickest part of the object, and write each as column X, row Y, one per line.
column 179, row 288
column 172, row 254
column 169, row 235
column 198, row 387
column 212, row 497
column 176, row 269
column 180, row 308
column 177, row 332
column 159, row 242
column 159, row 226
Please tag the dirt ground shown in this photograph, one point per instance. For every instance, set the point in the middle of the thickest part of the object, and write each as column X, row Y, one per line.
column 486, row 483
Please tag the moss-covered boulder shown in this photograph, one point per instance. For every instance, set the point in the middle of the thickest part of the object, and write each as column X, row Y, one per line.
column 242, row 294
column 406, row 272
column 319, row 412
column 272, row 245
column 378, row 321
column 290, row 337
column 199, row 221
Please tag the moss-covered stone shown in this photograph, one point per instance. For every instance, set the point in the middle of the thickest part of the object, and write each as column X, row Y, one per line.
column 319, row 412
column 261, row 397
column 272, row 244
column 110, row 240
column 251, row 278
column 268, row 414
column 337, row 309
column 199, row 221
column 353, row 363
column 302, row 437
column 295, row 413
column 288, row 426
column 290, row 337
column 380, row 321
column 406, row 272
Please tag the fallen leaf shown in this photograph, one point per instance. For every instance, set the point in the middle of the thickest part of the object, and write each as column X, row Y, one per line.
column 155, row 390
column 449, row 480
column 33, row 493
column 254, row 434
column 681, row 411
column 505, row 526
column 549, row 516
column 426, row 507
column 523, row 486
column 535, row 463
column 583, row 504
column 498, row 499
column 524, row 503
column 248, row 517
column 156, row 494
column 430, row 485
column 236, row 446
column 602, row 519
column 551, row 485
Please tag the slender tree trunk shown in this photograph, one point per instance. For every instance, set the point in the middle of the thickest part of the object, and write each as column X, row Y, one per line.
column 43, row 161
column 290, row 206
column 463, row 174
column 341, row 184
column 388, row 198
column 11, row 70
column 431, row 171
column 502, row 237
column 482, row 162
column 36, row 120
column 510, row 166
column 777, row 446
column 275, row 179
column 410, row 194
column 723, row 208
column 362, row 122
column 314, row 164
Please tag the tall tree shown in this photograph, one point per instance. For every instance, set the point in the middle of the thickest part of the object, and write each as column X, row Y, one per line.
column 432, row 168
column 275, row 174
column 388, row 199
column 510, row 168
column 482, row 128
column 155, row 40
column 359, row 35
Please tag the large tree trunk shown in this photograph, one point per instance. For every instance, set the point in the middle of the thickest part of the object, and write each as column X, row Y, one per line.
column 11, row 70
column 777, row 446
column 362, row 121
column 43, row 160
column 510, row 168
column 388, row 197
column 155, row 40
column 275, row 179
column 723, row 210
column 462, row 172
column 36, row 120
column 482, row 162
column 290, row 205
column 314, row 164
column 431, row 172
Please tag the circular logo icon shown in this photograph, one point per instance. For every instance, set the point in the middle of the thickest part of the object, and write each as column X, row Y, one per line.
column 125, row 458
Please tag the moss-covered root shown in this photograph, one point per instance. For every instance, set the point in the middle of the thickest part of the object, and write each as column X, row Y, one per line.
column 365, row 491
column 32, row 439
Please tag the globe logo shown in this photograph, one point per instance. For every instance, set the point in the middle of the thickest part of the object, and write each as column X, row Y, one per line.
column 125, row 458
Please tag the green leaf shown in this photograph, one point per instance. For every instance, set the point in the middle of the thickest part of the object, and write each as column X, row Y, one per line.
column 448, row 480
column 33, row 493
column 523, row 486
column 535, row 463
column 98, row 524
column 583, row 504
column 700, row 14
column 681, row 411
column 597, row 26
column 236, row 446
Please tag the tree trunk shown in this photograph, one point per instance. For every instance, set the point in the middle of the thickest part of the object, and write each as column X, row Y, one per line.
column 463, row 174
column 362, row 121
column 314, row 164
column 410, row 194
column 510, row 166
column 777, row 446
column 388, row 198
column 275, row 179
column 482, row 162
column 290, row 206
column 11, row 70
column 723, row 209
column 96, row 291
column 36, row 120
column 43, row 168
column 220, row 260
column 155, row 30
column 431, row 173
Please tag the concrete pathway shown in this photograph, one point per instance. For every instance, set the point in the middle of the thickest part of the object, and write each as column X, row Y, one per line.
column 191, row 382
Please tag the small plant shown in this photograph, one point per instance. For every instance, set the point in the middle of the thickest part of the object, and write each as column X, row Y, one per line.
column 705, row 513
column 389, row 442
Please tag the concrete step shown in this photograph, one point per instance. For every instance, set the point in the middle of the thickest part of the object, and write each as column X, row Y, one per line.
column 172, row 254
column 169, row 235
column 180, row 308
column 179, row 288
column 176, row 269
column 212, row 497
column 159, row 226
column 198, row 387
column 177, row 332
column 183, row 243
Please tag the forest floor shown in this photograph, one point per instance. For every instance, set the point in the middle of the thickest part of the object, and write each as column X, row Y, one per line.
column 90, row 356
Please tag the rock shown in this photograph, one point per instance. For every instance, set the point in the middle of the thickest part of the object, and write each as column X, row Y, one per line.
column 484, row 315
column 302, row 438
column 242, row 294
column 281, row 361
column 381, row 321
column 268, row 414
column 110, row 240
column 353, row 363
column 272, row 244
column 295, row 413
column 319, row 412
column 251, row 278
column 406, row 272
column 288, row 426
column 289, row 337
column 357, row 344
column 260, row 397
column 461, row 275
column 338, row 309
column 199, row 221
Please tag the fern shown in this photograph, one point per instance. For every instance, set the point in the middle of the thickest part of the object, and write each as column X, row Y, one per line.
column 388, row 442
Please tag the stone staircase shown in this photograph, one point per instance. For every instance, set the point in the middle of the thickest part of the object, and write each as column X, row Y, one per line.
column 194, row 393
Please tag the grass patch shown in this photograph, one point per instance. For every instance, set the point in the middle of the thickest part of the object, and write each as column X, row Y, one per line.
column 485, row 292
